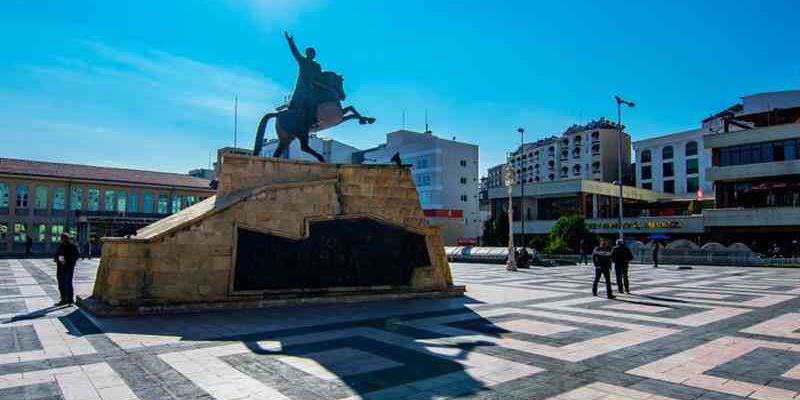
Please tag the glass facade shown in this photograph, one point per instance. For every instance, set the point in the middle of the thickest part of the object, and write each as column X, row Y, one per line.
column 55, row 232
column 93, row 201
column 76, row 199
column 59, row 198
column 4, row 195
column 20, row 232
column 22, row 196
column 190, row 200
column 133, row 202
column 40, row 202
column 176, row 203
column 122, row 201
column 147, row 202
column 163, row 203
column 40, row 232
column 110, row 197
column 781, row 150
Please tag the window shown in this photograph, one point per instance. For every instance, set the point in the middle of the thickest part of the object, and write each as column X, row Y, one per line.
column 109, row 200
column 93, row 199
column 176, row 203
column 147, row 203
column 647, row 185
column 667, row 169
column 647, row 156
column 133, row 202
column 22, row 196
column 423, row 162
column 647, row 172
column 55, row 232
column 667, row 153
column 40, row 232
column 576, row 170
column 463, row 181
column 20, row 233
column 59, row 198
column 691, row 166
column 3, row 195
column 669, row 186
column 691, row 149
column 40, row 203
column 692, row 184
column 76, row 199
column 122, row 201
column 576, row 152
column 463, row 163
column 163, row 204
column 464, row 198
column 190, row 200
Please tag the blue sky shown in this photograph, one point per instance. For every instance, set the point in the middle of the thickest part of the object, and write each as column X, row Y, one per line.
column 150, row 84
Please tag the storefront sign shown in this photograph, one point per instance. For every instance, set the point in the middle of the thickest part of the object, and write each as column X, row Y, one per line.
column 637, row 225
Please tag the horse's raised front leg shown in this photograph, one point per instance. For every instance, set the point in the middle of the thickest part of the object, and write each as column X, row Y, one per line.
column 355, row 114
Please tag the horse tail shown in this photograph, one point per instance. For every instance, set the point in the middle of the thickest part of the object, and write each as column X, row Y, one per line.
column 262, row 126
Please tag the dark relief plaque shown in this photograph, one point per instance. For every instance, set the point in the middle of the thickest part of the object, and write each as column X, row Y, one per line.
column 342, row 252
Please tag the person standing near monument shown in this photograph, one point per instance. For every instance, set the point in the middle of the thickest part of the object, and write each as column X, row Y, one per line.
column 309, row 73
column 66, row 257
column 601, row 257
column 622, row 256
column 655, row 254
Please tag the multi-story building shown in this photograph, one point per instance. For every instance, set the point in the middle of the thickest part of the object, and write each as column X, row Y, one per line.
column 446, row 174
column 588, row 152
column 333, row 151
column 674, row 164
column 756, row 171
column 43, row 199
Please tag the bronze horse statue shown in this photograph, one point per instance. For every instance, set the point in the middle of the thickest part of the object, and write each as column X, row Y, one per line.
column 320, row 108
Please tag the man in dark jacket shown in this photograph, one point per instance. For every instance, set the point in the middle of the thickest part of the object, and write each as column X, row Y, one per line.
column 601, row 257
column 66, row 256
column 622, row 256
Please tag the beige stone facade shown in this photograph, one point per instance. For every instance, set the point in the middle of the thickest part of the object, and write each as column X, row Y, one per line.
column 189, row 257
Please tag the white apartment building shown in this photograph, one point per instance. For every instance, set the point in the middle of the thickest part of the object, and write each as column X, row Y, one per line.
column 675, row 164
column 588, row 152
column 333, row 151
column 446, row 174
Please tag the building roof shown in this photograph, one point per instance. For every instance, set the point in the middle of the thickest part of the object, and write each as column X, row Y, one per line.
column 671, row 137
column 93, row 173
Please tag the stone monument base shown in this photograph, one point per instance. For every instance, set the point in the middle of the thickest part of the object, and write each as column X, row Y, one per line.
column 279, row 232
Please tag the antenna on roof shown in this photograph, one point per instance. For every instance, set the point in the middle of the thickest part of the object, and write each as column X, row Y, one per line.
column 426, row 122
column 235, row 119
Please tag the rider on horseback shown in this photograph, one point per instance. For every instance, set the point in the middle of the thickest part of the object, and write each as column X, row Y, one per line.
column 303, row 99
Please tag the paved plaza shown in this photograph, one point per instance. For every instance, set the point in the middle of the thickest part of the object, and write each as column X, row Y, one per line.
column 706, row 333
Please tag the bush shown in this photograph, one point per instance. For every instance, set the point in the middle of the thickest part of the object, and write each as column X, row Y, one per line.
column 556, row 246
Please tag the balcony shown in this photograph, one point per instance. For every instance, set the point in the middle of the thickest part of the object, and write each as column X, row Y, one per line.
column 753, row 217
column 760, row 170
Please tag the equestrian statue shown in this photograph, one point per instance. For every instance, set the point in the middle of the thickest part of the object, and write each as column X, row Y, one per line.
column 315, row 105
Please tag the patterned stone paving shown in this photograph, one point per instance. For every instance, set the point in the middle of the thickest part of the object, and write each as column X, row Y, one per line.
column 706, row 333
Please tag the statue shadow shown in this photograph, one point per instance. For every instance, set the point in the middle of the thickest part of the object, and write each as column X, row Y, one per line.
column 370, row 349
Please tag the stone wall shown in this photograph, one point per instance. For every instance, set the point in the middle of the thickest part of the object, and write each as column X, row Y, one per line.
column 190, row 256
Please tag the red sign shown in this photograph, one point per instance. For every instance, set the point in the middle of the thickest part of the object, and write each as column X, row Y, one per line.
column 468, row 242
column 443, row 213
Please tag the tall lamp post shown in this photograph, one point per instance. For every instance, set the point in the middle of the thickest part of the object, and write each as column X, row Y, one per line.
column 510, row 179
column 620, row 102
column 522, row 206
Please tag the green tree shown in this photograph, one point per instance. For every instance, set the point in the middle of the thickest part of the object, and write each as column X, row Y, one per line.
column 501, row 229
column 568, row 232
column 489, row 237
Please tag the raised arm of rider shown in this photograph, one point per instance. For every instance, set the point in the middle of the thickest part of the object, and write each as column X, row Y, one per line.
column 293, row 47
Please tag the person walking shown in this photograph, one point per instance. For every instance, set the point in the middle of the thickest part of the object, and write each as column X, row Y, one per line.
column 601, row 257
column 66, row 256
column 622, row 256
column 655, row 254
column 28, row 246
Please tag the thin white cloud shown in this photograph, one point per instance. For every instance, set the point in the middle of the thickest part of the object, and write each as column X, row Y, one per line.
column 269, row 11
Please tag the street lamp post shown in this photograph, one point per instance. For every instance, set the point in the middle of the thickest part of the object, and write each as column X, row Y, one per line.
column 510, row 179
column 522, row 206
column 620, row 102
